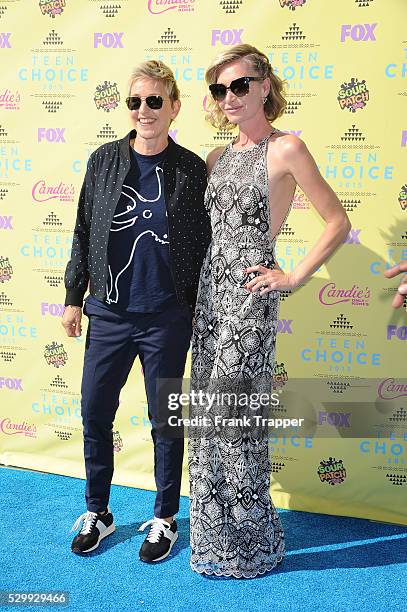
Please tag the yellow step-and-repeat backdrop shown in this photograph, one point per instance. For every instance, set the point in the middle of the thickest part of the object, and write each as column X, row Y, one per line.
column 65, row 66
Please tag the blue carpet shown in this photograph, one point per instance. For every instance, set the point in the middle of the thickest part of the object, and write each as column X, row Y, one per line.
column 332, row 563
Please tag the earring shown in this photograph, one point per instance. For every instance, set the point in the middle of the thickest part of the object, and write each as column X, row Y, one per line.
column 264, row 100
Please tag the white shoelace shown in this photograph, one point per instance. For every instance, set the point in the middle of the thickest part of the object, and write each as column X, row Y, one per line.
column 89, row 520
column 158, row 527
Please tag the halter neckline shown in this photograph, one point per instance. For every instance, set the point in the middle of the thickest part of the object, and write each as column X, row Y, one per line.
column 254, row 146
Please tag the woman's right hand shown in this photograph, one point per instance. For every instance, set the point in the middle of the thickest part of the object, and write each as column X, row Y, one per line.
column 71, row 320
column 402, row 290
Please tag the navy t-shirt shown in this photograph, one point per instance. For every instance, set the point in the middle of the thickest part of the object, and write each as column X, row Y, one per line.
column 139, row 274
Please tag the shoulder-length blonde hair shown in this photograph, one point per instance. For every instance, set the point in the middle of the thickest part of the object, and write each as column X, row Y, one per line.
column 275, row 103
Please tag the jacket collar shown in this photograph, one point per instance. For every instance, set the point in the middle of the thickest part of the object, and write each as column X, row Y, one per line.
column 124, row 145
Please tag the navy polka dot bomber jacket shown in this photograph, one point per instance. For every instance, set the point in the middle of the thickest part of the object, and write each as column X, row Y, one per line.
column 185, row 180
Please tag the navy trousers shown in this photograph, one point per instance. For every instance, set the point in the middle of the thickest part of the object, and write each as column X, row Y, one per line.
column 161, row 340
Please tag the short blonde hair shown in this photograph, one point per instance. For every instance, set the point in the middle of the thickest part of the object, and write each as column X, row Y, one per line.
column 275, row 102
column 154, row 69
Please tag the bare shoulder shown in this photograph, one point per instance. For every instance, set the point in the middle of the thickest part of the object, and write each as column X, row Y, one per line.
column 290, row 146
column 213, row 157
column 289, row 154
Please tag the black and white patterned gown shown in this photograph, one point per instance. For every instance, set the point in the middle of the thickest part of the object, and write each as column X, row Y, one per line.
column 234, row 527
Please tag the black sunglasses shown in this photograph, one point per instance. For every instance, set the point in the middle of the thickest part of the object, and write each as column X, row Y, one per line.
column 154, row 102
column 239, row 87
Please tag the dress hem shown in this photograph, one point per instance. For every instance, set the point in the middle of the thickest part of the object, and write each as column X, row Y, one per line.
column 237, row 573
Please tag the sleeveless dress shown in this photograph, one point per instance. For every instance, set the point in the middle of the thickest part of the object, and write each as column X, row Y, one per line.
column 234, row 527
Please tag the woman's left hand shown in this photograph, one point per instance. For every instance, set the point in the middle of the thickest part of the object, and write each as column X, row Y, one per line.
column 270, row 280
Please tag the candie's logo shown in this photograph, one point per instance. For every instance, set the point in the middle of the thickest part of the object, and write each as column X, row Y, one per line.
column 331, row 471
column 6, row 270
column 55, row 355
column 162, row 6
column 52, row 7
column 43, row 192
column 107, row 96
column 300, row 201
column 390, row 389
column 9, row 428
column 330, row 295
column 403, row 197
column 9, row 100
column 353, row 95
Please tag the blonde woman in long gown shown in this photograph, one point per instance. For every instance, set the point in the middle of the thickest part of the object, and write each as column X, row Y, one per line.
column 235, row 528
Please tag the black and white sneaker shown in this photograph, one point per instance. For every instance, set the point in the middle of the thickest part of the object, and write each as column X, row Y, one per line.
column 95, row 527
column 161, row 538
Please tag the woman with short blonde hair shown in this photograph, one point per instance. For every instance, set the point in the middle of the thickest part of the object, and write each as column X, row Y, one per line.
column 155, row 69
